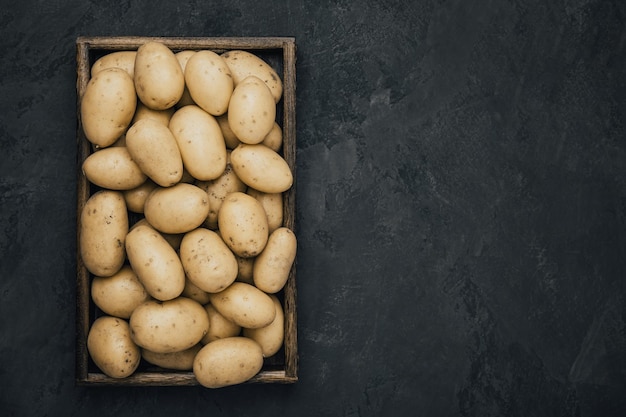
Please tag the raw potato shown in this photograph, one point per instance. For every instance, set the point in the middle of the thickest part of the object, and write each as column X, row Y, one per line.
column 120, row 294
column 111, row 347
column 113, row 168
column 159, row 79
column 155, row 262
column 120, row 59
column 272, row 336
column 274, row 139
column 153, row 147
column 245, row 305
column 169, row 326
column 179, row 361
column 271, row 268
column 229, row 361
column 243, row 224
column 200, row 142
column 229, row 137
column 144, row 112
column 261, row 168
column 219, row 326
column 209, row 81
column 207, row 261
column 272, row 204
column 243, row 63
column 102, row 232
column 183, row 57
column 244, row 274
column 192, row 291
column 136, row 197
column 107, row 106
column 251, row 110
column 177, row 209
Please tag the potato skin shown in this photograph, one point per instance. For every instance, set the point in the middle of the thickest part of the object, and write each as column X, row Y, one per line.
column 243, row 224
column 261, row 168
column 272, row 266
column 272, row 204
column 251, row 111
column 119, row 59
column 245, row 305
column 180, row 361
column 107, row 106
column 243, row 64
column 111, row 347
column 209, row 82
column 136, row 197
column 219, row 326
column 176, row 209
column 113, row 168
column 102, row 232
column 272, row 336
column 158, row 79
column 228, row 361
column 168, row 326
column 119, row 294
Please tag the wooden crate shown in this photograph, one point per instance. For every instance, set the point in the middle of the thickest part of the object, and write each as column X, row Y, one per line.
column 280, row 53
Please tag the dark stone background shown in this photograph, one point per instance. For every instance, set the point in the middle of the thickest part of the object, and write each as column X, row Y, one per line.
column 461, row 181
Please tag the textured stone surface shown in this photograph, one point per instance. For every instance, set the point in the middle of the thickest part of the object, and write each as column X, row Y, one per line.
column 461, row 189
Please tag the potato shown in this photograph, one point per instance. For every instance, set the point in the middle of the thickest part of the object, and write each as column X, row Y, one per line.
column 229, row 361
column 219, row 326
column 168, row 326
column 272, row 266
column 144, row 112
column 209, row 81
column 272, row 336
column 136, row 197
column 200, row 142
column 243, row 63
column 159, row 79
column 153, row 147
column 272, row 205
column 251, row 111
column 218, row 189
column 119, row 59
column 192, row 291
column 244, row 273
column 176, row 209
column 111, row 347
column 261, row 168
column 180, row 361
column 119, row 294
column 183, row 57
column 155, row 262
column 245, row 305
column 243, row 224
column 230, row 138
column 207, row 261
column 102, row 232
column 107, row 106
column 274, row 139
column 113, row 168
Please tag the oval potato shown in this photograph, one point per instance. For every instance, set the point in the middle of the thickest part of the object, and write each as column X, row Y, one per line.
column 272, row 266
column 272, row 336
column 208, row 262
column 107, row 106
column 183, row 57
column 102, row 232
column 113, row 168
column 261, row 168
column 243, row 224
column 245, row 305
column 155, row 262
column 144, row 112
column 219, row 326
column 136, row 197
column 176, row 209
column 251, row 110
column 192, row 291
column 272, row 205
column 169, row 326
column 229, row 361
column 209, row 81
column 200, row 142
column 158, row 79
column 230, row 138
column 119, row 294
column 179, row 361
column 243, row 64
column 111, row 347
column 119, row 59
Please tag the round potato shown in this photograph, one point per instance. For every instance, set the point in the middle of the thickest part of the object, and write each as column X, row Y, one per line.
column 102, row 232
column 153, row 147
column 169, row 326
column 107, row 106
column 111, row 347
column 251, row 110
column 229, row 361
column 245, row 305
column 136, row 197
column 209, row 81
column 243, row 64
column 272, row 205
column 243, row 224
column 272, row 336
column 207, row 261
column 155, row 262
column 183, row 57
column 200, row 142
column 144, row 112
column 120, row 294
column 179, row 361
column 159, row 79
column 261, row 168
column 176, row 209
column 219, row 326
column 119, row 59
column 113, row 168
column 272, row 266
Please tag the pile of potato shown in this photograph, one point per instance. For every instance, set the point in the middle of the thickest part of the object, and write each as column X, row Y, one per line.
column 186, row 145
